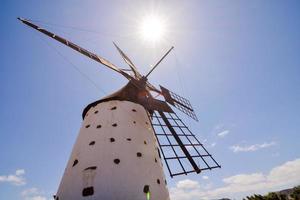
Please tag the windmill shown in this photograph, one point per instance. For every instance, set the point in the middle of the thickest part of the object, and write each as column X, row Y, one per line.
column 125, row 136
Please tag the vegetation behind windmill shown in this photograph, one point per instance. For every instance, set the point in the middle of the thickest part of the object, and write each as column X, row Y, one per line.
column 287, row 194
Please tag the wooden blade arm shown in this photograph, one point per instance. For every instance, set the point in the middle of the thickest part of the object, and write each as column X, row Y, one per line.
column 129, row 62
column 76, row 48
column 159, row 61
column 153, row 88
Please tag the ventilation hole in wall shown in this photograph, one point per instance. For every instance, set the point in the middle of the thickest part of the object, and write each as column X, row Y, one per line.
column 128, row 139
column 145, row 142
column 88, row 191
column 117, row 161
column 155, row 160
column 112, row 139
column 55, row 197
column 147, row 123
column 114, row 125
column 146, row 189
column 139, row 154
column 90, row 168
column 165, row 181
column 158, row 181
column 96, row 112
column 133, row 110
column 99, row 126
column 92, row 143
column 75, row 162
column 113, row 108
column 134, row 122
column 87, row 126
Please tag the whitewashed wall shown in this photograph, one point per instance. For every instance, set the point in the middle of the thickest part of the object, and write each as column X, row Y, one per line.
column 114, row 130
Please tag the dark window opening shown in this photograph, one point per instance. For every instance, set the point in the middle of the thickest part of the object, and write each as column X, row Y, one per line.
column 90, row 168
column 158, row 181
column 117, row 161
column 145, row 142
column 155, row 160
column 114, row 108
column 128, row 139
column 75, row 162
column 146, row 189
column 133, row 110
column 165, row 181
column 87, row 126
column 114, row 125
column 147, row 123
column 112, row 139
column 99, row 126
column 88, row 191
column 139, row 154
column 92, row 143
column 96, row 112
column 134, row 122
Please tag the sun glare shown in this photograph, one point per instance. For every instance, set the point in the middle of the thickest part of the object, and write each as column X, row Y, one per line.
column 152, row 28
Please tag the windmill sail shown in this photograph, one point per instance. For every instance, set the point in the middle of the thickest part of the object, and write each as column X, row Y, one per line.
column 179, row 102
column 76, row 48
column 129, row 62
column 182, row 151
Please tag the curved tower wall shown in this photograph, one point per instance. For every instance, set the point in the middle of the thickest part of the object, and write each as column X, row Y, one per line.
column 115, row 156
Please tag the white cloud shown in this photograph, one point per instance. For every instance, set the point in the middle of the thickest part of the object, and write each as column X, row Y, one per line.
column 244, row 179
column 30, row 191
column 36, row 198
column 223, row 133
column 213, row 144
column 15, row 179
column 205, row 177
column 219, row 127
column 33, row 194
column 186, row 190
column 238, row 186
column 249, row 148
column 187, row 184
column 20, row 172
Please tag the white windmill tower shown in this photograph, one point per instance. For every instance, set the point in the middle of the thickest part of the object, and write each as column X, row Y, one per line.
column 116, row 155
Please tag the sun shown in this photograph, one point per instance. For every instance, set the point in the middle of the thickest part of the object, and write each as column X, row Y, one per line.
column 152, row 28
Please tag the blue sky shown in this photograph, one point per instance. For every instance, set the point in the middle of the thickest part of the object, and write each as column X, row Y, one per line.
column 237, row 61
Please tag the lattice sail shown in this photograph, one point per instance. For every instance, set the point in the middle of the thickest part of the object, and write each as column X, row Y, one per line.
column 177, row 161
column 179, row 102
